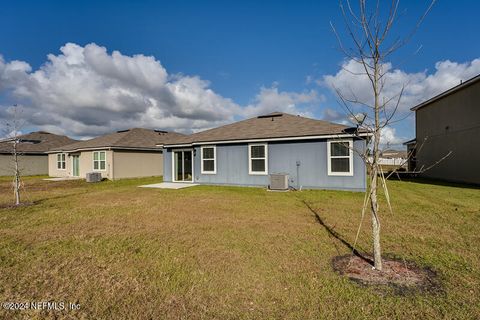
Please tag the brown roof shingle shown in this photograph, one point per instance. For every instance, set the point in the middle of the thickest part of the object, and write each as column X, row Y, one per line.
column 273, row 125
column 36, row 143
column 137, row 138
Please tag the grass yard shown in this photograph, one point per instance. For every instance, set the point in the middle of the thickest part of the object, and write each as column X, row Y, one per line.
column 228, row 253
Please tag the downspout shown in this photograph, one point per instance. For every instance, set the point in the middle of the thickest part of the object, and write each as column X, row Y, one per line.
column 113, row 167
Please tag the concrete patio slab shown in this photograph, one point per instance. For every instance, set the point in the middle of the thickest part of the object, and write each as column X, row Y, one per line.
column 62, row 179
column 169, row 185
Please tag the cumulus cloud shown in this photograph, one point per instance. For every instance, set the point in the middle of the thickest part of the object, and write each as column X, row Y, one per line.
column 270, row 99
column 87, row 91
column 333, row 115
column 419, row 86
column 388, row 136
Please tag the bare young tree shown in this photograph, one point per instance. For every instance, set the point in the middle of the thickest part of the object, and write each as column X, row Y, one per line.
column 370, row 43
column 12, row 131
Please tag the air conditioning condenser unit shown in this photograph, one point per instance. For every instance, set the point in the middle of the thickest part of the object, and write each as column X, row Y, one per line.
column 279, row 181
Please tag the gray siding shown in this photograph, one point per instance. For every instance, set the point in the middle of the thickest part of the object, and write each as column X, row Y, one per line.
column 450, row 124
column 232, row 166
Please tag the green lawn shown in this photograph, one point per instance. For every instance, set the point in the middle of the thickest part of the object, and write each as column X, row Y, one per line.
column 228, row 253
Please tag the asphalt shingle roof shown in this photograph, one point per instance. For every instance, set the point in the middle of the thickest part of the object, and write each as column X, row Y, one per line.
column 36, row 143
column 138, row 138
column 273, row 125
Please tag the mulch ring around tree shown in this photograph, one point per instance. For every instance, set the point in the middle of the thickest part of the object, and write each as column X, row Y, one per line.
column 404, row 277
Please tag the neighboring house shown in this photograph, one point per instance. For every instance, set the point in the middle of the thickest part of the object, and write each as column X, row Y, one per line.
column 314, row 153
column 31, row 148
column 392, row 159
column 123, row 154
column 412, row 155
column 449, row 124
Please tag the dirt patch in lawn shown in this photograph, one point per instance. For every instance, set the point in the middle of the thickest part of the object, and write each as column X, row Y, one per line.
column 402, row 276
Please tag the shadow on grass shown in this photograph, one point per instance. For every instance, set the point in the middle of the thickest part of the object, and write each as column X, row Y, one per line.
column 435, row 182
column 336, row 235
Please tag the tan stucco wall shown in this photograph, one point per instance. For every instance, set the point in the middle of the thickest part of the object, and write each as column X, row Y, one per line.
column 52, row 166
column 120, row 164
column 129, row 164
column 86, row 165
column 29, row 165
column 450, row 124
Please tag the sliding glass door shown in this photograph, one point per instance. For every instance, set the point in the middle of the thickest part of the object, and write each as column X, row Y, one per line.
column 76, row 166
column 183, row 166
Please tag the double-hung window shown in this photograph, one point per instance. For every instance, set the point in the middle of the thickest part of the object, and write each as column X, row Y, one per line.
column 99, row 160
column 340, row 157
column 209, row 159
column 61, row 163
column 258, row 159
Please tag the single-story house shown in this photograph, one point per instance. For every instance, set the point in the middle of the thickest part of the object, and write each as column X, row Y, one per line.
column 31, row 149
column 124, row 154
column 447, row 130
column 314, row 154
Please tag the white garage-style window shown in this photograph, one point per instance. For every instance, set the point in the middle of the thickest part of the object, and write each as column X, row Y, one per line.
column 209, row 159
column 258, row 159
column 99, row 160
column 61, row 163
column 340, row 157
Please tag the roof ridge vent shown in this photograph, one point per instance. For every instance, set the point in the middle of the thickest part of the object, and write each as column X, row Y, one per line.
column 271, row 115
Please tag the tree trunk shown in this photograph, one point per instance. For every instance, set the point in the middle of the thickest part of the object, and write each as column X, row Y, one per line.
column 17, row 175
column 377, row 252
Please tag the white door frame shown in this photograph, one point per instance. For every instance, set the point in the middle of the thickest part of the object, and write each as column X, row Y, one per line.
column 191, row 150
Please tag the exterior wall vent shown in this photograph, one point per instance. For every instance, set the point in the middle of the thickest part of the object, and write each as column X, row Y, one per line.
column 279, row 181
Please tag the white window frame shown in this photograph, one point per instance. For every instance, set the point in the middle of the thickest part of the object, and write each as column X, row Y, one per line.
column 99, row 161
column 330, row 157
column 64, row 160
column 214, row 159
column 257, row 173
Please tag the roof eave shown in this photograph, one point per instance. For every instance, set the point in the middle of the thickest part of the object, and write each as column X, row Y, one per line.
column 291, row 138
column 412, row 141
column 105, row 148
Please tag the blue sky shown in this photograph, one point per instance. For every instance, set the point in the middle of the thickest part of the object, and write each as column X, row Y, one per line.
column 239, row 47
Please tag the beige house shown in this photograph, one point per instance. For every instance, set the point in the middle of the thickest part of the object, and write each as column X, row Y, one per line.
column 447, row 131
column 31, row 149
column 123, row 154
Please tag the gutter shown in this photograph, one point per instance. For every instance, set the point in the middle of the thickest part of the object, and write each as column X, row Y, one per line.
column 266, row 140
column 103, row 148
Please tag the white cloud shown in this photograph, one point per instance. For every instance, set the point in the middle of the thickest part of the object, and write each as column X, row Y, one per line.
column 270, row 99
column 389, row 137
column 420, row 86
column 86, row 91
column 333, row 115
